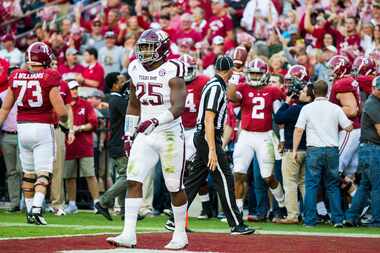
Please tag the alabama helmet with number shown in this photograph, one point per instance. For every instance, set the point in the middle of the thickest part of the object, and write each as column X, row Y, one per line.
column 191, row 67
column 298, row 72
column 364, row 66
column 152, row 46
column 38, row 53
column 339, row 66
column 257, row 72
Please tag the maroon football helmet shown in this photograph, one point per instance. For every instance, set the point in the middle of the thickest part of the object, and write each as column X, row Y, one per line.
column 152, row 46
column 364, row 66
column 339, row 66
column 350, row 52
column 38, row 53
column 191, row 67
column 298, row 72
column 258, row 72
column 239, row 56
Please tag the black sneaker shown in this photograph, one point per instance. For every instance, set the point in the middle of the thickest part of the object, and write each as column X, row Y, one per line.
column 103, row 211
column 39, row 219
column 29, row 218
column 169, row 225
column 349, row 223
column 323, row 219
column 242, row 230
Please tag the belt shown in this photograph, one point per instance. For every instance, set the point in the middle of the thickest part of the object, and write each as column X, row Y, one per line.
column 9, row 132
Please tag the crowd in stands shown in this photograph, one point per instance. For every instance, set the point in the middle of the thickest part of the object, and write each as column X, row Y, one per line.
column 93, row 40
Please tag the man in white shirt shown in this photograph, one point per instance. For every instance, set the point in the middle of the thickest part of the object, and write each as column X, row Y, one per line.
column 321, row 119
column 10, row 52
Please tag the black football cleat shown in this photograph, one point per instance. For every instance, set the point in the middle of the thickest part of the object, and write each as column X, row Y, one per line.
column 103, row 211
column 242, row 230
column 30, row 218
column 39, row 219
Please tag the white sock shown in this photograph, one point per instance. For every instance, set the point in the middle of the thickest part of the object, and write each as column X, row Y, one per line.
column 204, row 198
column 321, row 208
column 132, row 206
column 72, row 203
column 29, row 204
column 240, row 203
column 278, row 194
column 38, row 201
column 179, row 213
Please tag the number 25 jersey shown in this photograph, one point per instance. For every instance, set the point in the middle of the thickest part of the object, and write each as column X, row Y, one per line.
column 257, row 106
column 153, row 90
column 31, row 93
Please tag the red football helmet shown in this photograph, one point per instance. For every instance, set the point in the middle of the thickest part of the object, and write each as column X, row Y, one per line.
column 239, row 56
column 364, row 66
column 350, row 52
column 339, row 66
column 38, row 53
column 298, row 72
column 191, row 67
column 258, row 72
column 152, row 46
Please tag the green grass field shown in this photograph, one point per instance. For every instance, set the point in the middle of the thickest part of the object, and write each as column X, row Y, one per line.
column 13, row 225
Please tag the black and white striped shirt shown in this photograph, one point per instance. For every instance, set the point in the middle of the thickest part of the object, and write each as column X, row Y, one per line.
column 213, row 99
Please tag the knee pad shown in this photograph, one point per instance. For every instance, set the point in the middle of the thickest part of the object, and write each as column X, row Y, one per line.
column 43, row 179
column 28, row 181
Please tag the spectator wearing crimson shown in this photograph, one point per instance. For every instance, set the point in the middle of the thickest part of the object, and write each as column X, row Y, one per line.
column 80, row 154
column 14, row 56
column 217, row 48
column 220, row 24
column 186, row 33
column 164, row 22
column 352, row 37
column 66, row 26
column 112, row 24
column 93, row 74
column 111, row 55
column 200, row 24
column 95, row 39
column 58, row 46
column 71, row 68
column 4, row 68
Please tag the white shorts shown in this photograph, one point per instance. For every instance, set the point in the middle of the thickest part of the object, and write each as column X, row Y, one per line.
column 348, row 151
column 168, row 146
column 250, row 143
column 189, row 142
column 37, row 146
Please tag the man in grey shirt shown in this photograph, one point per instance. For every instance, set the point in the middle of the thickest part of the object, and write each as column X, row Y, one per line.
column 321, row 119
column 369, row 160
column 111, row 56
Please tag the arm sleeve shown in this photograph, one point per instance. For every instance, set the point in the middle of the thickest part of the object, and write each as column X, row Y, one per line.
column 302, row 119
column 212, row 98
column 343, row 120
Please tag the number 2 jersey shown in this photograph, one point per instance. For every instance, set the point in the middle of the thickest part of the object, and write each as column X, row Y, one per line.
column 153, row 90
column 31, row 92
column 193, row 98
column 257, row 106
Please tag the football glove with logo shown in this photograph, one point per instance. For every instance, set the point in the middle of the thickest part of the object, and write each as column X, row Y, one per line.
column 128, row 141
column 147, row 126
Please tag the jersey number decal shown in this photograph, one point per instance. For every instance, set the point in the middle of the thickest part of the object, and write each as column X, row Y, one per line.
column 258, row 105
column 35, row 86
column 190, row 102
column 153, row 97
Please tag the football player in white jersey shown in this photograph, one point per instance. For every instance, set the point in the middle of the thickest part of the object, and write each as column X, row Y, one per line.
column 153, row 125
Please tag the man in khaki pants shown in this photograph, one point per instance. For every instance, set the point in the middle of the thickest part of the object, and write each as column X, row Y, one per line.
column 293, row 171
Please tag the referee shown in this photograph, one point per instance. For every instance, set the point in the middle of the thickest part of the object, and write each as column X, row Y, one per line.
column 208, row 142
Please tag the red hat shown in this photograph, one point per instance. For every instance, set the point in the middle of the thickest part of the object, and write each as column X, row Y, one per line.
column 7, row 37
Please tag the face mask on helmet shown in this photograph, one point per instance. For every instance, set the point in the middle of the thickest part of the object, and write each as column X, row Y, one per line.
column 257, row 78
column 190, row 73
column 146, row 52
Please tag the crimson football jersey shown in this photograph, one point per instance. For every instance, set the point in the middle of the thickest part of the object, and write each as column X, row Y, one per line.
column 257, row 106
column 31, row 91
column 365, row 83
column 193, row 98
column 344, row 85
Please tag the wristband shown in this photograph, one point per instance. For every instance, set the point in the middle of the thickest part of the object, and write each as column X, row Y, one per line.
column 130, row 124
column 282, row 135
column 165, row 117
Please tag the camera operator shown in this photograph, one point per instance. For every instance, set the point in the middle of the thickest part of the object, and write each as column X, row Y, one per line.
column 293, row 170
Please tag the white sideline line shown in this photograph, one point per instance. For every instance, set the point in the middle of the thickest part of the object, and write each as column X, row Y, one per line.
column 155, row 230
column 124, row 250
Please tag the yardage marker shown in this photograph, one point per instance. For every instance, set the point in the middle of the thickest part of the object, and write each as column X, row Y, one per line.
column 158, row 230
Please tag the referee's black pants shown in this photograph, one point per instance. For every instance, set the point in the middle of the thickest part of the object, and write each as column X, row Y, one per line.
column 223, row 178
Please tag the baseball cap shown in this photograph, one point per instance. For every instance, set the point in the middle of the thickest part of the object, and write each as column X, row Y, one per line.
column 218, row 40
column 71, row 51
column 96, row 93
column 73, row 84
column 376, row 83
column 7, row 37
column 217, row 1
column 224, row 62
column 110, row 34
